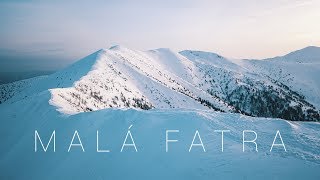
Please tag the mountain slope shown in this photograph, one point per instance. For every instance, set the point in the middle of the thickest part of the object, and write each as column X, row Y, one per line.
column 250, row 92
column 298, row 70
column 123, row 78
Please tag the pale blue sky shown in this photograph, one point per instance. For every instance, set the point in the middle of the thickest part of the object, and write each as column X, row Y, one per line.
column 64, row 31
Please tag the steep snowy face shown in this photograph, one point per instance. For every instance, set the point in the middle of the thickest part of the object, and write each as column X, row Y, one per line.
column 19, row 90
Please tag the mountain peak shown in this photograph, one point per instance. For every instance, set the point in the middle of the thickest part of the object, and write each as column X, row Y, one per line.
column 311, row 47
column 308, row 54
column 308, row 51
column 200, row 53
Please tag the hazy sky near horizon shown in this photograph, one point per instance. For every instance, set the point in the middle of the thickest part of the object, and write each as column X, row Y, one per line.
column 54, row 33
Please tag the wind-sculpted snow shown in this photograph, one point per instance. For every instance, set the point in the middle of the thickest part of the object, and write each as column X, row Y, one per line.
column 150, row 160
column 160, row 79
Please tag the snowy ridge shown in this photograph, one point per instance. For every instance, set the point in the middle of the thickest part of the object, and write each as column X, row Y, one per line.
column 124, row 78
column 119, row 77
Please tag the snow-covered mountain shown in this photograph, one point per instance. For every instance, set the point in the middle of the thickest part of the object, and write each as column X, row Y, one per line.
column 119, row 77
column 298, row 70
column 198, row 84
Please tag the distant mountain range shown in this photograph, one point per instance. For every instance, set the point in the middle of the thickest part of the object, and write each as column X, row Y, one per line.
column 286, row 87
column 8, row 77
